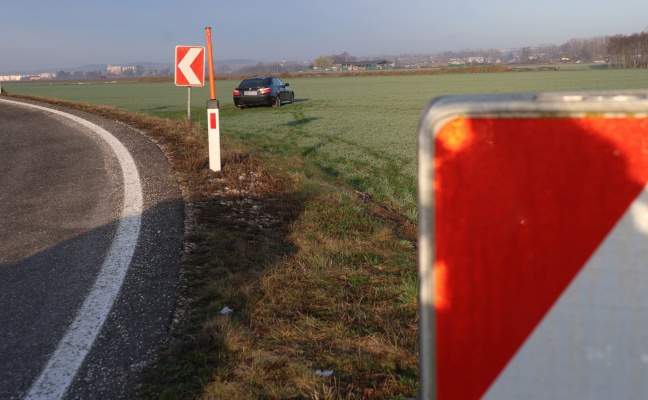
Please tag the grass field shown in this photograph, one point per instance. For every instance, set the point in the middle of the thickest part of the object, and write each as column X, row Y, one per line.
column 357, row 131
column 321, row 278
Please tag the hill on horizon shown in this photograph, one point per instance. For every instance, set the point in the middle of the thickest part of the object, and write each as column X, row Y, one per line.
column 238, row 62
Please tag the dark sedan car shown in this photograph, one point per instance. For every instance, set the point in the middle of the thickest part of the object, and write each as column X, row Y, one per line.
column 262, row 91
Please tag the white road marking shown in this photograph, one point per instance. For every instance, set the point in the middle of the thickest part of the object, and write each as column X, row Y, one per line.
column 66, row 360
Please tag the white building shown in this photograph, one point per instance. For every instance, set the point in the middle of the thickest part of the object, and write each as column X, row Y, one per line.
column 6, row 78
column 475, row 60
column 118, row 70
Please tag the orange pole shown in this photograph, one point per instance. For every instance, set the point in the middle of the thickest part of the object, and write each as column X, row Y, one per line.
column 212, row 85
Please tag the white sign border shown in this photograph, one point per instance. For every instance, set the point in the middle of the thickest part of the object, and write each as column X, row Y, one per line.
column 176, row 65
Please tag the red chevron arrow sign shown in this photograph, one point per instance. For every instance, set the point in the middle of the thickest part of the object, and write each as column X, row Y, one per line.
column 534, row 247
column 189, row 66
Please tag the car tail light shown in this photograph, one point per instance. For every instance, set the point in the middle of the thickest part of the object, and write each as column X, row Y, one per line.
column 237, row 93
column 264, row 90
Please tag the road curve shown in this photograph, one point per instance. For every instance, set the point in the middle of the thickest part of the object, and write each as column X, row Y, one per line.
column 90, row 240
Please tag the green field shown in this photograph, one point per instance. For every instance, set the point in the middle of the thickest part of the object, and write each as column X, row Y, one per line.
column 356, row 131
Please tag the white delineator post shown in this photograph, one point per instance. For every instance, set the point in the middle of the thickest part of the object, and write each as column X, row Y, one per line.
column 213, row 131
column 213, row 135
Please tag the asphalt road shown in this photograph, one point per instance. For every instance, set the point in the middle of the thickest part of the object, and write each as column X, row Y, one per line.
column 90, row 244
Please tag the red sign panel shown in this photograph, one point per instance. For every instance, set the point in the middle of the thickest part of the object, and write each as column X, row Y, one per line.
column 537, row 228
column 189, row 66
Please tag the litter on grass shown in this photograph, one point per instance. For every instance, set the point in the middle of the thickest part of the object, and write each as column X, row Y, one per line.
column 326, row 374
column 226, row 310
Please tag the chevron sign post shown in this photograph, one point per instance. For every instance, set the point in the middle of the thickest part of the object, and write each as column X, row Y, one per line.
column 189, row 69
column 533, row 221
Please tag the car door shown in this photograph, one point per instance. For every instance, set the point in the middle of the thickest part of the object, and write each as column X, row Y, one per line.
column 284, row 95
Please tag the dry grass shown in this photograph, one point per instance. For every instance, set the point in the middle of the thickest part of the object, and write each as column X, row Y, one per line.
column 319, row 288
column 319, row 278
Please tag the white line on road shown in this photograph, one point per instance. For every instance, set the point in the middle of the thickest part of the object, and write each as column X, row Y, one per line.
column 66, row 360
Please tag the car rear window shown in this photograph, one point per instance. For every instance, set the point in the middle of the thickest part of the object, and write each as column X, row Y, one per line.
column 253, row 82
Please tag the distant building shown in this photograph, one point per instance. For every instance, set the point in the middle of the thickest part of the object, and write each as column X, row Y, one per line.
column 118, row 70
column 366, row 65
column 114, row 69
column 6, row 78
column 44, row 75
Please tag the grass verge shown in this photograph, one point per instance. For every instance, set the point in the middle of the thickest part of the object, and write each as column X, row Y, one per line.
column 321, row 280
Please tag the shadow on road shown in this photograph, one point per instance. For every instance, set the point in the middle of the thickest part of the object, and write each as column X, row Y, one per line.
column 40, row 296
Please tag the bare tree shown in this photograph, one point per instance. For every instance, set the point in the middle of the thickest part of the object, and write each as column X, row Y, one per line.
column 323, row 62
column 628, row 51
column 344, row 58
column 524, row 54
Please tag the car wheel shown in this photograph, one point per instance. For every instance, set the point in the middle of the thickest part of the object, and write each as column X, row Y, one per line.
column 277, row 102
column 292, row 97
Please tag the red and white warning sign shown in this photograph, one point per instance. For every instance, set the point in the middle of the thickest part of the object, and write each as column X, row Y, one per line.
column 533, row 219
column 189, row 66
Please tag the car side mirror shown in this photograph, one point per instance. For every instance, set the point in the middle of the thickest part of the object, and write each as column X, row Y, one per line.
column 286, row 84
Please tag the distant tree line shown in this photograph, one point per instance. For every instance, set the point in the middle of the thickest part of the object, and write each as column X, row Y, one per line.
column 326, row 62
column 574, row 50
column 628, row 51
column 80, row 75
column 583, row 50
column 137, row 71
column 271, row 68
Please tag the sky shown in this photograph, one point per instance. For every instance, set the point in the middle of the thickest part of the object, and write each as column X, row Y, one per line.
column 45, row 34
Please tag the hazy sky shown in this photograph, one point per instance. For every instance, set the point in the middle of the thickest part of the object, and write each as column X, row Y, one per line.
column 42, row 34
